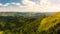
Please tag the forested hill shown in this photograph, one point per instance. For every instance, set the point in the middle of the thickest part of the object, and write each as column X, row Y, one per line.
column 50, row 24
column 26, row 23
column 20, row 23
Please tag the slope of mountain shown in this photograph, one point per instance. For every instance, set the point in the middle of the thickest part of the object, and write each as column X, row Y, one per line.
column 23, row 22
column 15, row 22
column 50, row 24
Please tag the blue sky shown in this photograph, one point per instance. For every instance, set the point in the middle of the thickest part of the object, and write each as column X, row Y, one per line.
column 36, row 1
column 19, row 5
column 30, row 5
column 9, row 1
column 17, row 1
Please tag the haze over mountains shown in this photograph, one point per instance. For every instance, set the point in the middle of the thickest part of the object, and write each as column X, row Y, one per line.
column 18, row 13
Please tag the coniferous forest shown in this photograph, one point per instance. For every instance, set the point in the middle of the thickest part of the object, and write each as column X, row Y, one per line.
column 29, row 23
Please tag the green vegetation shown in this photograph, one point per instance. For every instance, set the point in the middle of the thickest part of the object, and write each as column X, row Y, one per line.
column 20, row 23
column 50, row 24
column 29, row 23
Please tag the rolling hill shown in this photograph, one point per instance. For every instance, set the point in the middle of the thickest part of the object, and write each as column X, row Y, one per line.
column 19, row 23
column 27, row 23
column 50, row 24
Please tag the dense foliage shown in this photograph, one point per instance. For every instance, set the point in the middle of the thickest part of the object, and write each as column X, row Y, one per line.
column 20, row 23
column 29, row 23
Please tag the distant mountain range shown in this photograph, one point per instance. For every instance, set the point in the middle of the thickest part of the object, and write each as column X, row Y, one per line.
column 24, row 13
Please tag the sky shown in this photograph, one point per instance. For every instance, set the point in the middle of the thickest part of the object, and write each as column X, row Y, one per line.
column 30, row 5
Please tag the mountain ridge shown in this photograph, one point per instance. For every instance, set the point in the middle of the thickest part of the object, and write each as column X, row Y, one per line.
column 50, row 22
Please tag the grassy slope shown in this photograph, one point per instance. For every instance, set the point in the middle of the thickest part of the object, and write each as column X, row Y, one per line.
column 49, row 22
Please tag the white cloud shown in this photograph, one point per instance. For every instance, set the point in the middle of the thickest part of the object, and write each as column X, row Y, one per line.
column 43, row 6
column 6, row 4
column 47, row 6
column 54, row 1
column 0, row 4
column 29, row 3
column 30, row 6
column 16, row 3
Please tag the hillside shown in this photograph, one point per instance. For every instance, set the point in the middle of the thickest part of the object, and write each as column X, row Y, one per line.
column 29, row 23
column 50, row 24
column 20, row 23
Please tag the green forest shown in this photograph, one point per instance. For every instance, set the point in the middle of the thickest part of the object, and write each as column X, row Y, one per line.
column 29, row 23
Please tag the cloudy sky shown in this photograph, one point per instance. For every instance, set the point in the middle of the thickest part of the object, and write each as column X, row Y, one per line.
column 30, row 5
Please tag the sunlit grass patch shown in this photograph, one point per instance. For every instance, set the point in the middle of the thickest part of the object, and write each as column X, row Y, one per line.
column 1, row 32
